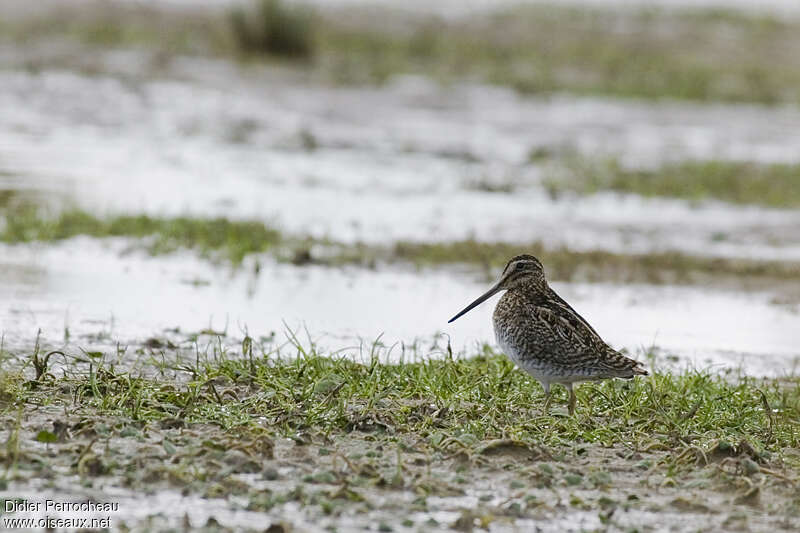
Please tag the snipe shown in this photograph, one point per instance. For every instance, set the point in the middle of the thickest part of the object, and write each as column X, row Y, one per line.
column 546, row 337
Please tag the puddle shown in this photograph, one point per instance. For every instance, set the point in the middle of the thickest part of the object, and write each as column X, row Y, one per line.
column 397, row 163
column 102, row 298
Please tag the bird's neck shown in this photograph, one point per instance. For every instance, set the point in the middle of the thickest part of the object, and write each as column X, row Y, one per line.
column 533, row 291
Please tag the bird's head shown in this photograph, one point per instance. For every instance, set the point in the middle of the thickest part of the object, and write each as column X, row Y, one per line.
column 521, row 271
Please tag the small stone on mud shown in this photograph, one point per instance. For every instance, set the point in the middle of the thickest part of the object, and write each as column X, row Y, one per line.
column 302, row 256
column 172, row 423
column 240, row 463
column 157, row 344
column 325, row 476
column 92, row 465
column 600, row 478
column 750, row 466
column 61, row 430
column 280, row 527
column 736, row 521
column 271, row 474
column 169, row 447
column 465, row 522
column 689, row 506
column 750, row 497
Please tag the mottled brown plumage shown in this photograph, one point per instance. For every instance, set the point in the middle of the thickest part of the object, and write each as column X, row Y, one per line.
column 545, row 336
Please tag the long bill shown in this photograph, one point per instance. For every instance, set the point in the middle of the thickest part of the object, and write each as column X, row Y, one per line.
column 488, row 294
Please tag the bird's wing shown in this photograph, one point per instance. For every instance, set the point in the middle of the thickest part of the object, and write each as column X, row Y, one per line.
column 561, row 331
column 558, row 307
column 568, row 330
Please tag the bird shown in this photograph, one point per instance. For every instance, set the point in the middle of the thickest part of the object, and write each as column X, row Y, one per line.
column 545, row 336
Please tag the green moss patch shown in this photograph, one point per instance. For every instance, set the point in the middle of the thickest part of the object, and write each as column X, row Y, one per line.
column 232, row 239
column 772, row 185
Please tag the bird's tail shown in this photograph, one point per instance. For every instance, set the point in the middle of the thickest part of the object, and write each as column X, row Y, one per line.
column 639, row 370
column 623, row 366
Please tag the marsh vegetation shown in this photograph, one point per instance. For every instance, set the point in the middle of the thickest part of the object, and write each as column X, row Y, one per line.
column 231, row 241
column 771, row 185
column 274, row 425
column 706, row 55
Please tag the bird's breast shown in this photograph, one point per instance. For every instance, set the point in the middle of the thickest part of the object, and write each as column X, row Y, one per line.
column 512, row 329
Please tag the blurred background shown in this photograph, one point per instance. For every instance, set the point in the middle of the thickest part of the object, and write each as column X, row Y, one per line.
column 178, row 171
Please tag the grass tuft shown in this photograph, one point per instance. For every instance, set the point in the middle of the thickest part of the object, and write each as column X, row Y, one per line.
column 272, row 28
column 452, row 403
column 233, row 239
column 10, row 387
column 773, row 185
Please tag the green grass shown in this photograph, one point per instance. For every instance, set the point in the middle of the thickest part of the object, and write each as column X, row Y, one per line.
column 10, row 387
column 336, row 433
column 772, row 185
column 705, row 55
column 211, row 237
column 109, row 25
column 572, row 265
column 695, row 55
column 445, row 403
column 232, row 241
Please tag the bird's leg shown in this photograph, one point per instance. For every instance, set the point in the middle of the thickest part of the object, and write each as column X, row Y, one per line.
column 571, row 398
column 546, row 408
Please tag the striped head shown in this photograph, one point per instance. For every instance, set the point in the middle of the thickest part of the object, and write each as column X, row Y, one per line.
column 522, row 271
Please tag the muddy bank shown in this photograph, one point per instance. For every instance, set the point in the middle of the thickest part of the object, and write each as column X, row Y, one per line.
column 311, row 443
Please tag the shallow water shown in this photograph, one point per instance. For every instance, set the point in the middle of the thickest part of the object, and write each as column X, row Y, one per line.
column 104, row 298
column 409, row 160
column 379, row 164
